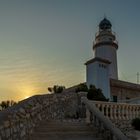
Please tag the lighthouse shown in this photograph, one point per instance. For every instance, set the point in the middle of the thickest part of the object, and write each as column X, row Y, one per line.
column 103, row 66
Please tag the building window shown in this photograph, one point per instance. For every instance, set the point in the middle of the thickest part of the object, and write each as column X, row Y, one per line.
column 127, row 98
column 102, row 65
column 115, row 98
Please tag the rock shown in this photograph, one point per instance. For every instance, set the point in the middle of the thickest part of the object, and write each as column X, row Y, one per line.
column 6, row 124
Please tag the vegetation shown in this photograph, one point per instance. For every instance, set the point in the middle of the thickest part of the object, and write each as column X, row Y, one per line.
column 92, row 93
column 56, row 89
column 6, row 104
column 95, row 94
column 136, row 123
column 82, row 87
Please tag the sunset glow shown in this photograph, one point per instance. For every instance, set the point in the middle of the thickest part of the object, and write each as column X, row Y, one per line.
column 45, row 43
column 27, row 97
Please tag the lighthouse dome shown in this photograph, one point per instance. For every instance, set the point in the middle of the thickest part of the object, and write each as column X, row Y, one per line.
column 105, row 24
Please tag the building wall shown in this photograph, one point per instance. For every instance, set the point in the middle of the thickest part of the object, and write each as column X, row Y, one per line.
column 108, row 52
column 91, row 73
column 97, row 74
column 124, row 90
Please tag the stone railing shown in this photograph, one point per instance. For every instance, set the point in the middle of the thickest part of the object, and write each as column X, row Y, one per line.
column 105, row 127
column 118, row 111
column 17, row 122
column 121, row 114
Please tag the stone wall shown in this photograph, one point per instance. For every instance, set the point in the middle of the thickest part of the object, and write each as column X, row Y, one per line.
column 125, row 126
column 17, row 122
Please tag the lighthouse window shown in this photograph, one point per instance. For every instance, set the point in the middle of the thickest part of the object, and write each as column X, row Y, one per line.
column 102, row 65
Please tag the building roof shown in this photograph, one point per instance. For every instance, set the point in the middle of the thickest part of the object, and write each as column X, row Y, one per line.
column 105, row 24
column 97, row 59
column 124, row 84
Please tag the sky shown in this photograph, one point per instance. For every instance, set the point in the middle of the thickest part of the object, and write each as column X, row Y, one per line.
column 46, row 42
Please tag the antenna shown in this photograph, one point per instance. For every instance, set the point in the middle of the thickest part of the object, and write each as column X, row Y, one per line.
column 138, row 77
column 104, row 15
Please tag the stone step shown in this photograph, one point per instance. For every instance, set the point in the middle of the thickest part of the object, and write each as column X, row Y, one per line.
column 64, row 128
column 62, row 123
column 64, row 133
column 65, row 137
column 58, row 130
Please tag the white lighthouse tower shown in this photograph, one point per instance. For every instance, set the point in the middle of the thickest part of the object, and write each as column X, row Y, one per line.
column 104, row 64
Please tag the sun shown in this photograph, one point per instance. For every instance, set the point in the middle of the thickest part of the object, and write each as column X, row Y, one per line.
column 26, row 90
column 27, row 97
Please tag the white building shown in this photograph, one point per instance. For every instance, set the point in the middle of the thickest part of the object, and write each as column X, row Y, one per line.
column 103, row 66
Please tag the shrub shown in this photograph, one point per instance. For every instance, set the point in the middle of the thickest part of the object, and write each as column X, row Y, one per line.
column 81, row 87
column 136, row 123
column 95, row 94
column 6, row 104
column 56, row 89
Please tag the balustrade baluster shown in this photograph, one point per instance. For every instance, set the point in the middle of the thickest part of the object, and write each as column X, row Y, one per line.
column 115, row 112
column 111, row 112
column 133, row 112
column 103, row 109
column 129, row 114
column 126, row 112
column 107, row 113
column 123, row 112
column 136, row 115
column 98, row 106
column 119, row 108
column 137, row 111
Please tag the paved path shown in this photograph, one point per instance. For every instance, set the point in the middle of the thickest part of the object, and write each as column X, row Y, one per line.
column 57, row 130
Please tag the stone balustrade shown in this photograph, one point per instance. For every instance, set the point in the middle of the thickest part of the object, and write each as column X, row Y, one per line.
column 17, row 122
column 105, row 127
column 118, row 111
column 121, row 114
